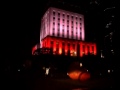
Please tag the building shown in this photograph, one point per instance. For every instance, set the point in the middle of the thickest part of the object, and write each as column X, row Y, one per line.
column 64, row 24
column 64, row 32
column 109, row 32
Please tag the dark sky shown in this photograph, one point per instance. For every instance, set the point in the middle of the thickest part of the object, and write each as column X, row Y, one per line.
column 23, row 26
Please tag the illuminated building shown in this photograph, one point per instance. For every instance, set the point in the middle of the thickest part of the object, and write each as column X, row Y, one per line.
column 61, row 23
column 64, row 32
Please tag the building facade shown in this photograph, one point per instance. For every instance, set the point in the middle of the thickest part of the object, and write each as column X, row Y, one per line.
column 64, row 32
column 64, row 24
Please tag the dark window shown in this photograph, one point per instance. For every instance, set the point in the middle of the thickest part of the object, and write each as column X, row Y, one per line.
column 53, row 13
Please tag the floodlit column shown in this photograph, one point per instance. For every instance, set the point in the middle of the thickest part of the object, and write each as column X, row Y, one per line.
column 81, row 49
column 90, row 48
column 60, row 47
column 48, row 42
column 51, row 22
column 86, row 49
column 71, row 49
column 54, row 46
column 95, row 50
column 66, row 49
column 75, row 49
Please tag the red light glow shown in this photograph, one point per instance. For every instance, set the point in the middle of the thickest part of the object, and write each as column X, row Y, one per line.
column 58, row 48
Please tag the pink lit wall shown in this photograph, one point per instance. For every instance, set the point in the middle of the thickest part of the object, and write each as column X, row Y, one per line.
column 61, row 23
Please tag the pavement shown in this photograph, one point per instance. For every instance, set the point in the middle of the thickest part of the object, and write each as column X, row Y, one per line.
column 36, row 83
column 68, row 84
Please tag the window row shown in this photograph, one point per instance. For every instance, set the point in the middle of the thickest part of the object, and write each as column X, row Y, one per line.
column 64, row 20
column 63, row 15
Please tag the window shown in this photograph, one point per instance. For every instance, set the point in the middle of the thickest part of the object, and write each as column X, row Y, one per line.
column 67, row 28
column 67, row 16
column 72, row 17
column 76, row 35
column 80, row 28
column 59, row 14
column 53, row 18
column 72, row 22
column 62, row 34
column 72, row 31
column 53, row 34
column 63, row 26
column 80, row 34
column 63, row 20
column 72, row 36
column 58, row 33
column 53, row 12
column 63, row 15
column 67, row 34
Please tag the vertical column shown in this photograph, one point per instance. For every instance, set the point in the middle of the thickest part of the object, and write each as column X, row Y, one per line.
column 60, row 47
column 95, row 50
column 74, row 27
column 86, row 49
column 51, row 22
column 65, row 26
column 56, row 24
column 90, row 48
column 75, row 49
column 61, row 24
column 81, row 49
column 71, row 49
column 54, row 46
column 70, row 25
column 83, row 29
column 45, row 24
column 48, row 23
column 78, row 28
column 66, row 48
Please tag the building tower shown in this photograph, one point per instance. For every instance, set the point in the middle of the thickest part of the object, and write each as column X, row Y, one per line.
column 64, row 32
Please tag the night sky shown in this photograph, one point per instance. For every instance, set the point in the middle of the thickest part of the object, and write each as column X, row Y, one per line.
column 24, row 26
